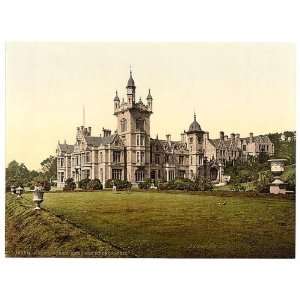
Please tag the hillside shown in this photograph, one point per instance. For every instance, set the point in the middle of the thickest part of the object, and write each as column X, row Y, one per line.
column 29, row 234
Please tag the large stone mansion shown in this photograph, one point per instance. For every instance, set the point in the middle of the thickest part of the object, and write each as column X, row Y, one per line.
column 130, row 153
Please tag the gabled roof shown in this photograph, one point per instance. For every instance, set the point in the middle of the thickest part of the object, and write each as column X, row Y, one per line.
column 66, row 148
column 259, row 139
column 99, row 140
column 218, row 143
column 169, row 146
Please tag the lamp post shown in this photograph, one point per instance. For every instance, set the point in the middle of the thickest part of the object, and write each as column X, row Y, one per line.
column 277, row 167
column 19, row 192
column 38, row 196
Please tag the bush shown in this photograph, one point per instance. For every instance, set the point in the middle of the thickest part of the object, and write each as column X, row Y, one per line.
column 46, row 185
column 184, row 184
column 70, row 185
column 94, row 184
column 263, row 184
column 109, row 183
column 83, row 183
column 237, row 187
column 203, row 184
column 122, row 184
column 146, row 184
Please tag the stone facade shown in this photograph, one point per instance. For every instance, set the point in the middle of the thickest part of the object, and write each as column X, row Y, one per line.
column 130, row 153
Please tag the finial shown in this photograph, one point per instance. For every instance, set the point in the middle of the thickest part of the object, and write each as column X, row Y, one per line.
column 149, row 91
column 65, row 142
column 194, row 116
column 157, row 136
column 116, row 93
column 130, row 70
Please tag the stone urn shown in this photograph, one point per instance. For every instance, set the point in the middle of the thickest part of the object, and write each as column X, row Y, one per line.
column 19, row 192
column 38, row 196
column 12, row 189
column 277, row 168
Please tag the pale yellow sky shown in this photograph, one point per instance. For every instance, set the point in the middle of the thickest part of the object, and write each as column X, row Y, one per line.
column 237, row 88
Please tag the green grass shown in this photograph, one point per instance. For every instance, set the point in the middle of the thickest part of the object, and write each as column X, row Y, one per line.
column 29, row 233
column 153, row 224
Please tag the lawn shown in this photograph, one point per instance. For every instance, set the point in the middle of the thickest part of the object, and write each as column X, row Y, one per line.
column 158, row 224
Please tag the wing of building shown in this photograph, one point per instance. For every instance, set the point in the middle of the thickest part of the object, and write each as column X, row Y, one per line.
column 131, row 154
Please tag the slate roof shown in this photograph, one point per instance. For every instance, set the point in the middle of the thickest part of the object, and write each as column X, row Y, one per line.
column 130, row 81
column 66, row 148
column 228, row 144
column 195, row 126
column 99, row 140
column 259, row 139
column 173, row 145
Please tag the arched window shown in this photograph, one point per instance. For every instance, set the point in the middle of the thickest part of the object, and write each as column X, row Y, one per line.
column 123, row 125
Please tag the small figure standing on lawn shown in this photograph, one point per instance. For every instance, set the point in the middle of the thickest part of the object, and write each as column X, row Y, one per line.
column 114, row 188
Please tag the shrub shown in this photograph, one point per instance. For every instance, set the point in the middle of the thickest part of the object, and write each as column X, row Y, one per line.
column 83, row 183
column 184, row 184
column 94, row 184
column 147, row 184
column 70, row 185
column 263, row 184
column 46, row 185
column 109, row 183
column 237, row 187
column 122, row 184
column 203, row 184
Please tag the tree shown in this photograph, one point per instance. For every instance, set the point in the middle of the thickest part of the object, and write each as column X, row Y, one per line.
column 17, row 174
column 49, row 167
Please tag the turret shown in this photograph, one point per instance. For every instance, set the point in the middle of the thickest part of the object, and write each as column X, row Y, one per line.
column 116, row 102
column 149, row 100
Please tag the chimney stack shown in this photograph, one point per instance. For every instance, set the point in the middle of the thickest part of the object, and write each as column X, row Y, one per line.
column 232, row 136
column 168, row 137
column 222, row 135
column 237, row 136
column 251, row 137
column 106, row 132
column 226, row 138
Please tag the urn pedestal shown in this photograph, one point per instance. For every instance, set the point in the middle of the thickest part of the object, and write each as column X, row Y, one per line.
column 12, row 189
column 277, row 168
column 19, row 192
column 38, row 197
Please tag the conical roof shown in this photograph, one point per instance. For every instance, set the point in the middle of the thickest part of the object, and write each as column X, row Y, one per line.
column 195, row 126
column 116, row 97
column 130, row 82
column 149, row 95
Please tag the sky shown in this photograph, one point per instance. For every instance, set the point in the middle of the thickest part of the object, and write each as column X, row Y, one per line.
column 236, row 88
